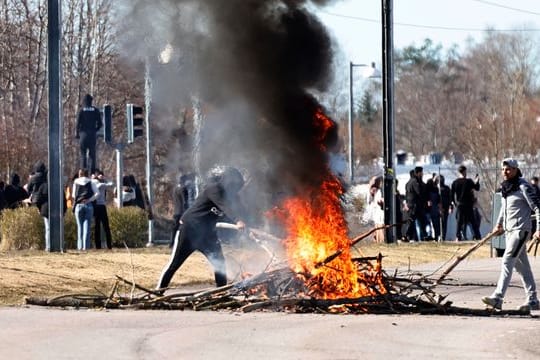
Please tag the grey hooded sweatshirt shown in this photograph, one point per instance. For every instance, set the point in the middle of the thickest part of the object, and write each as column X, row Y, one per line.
column 515, row 213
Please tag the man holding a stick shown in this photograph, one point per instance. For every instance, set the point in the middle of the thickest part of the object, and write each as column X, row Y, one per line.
column 518, row 199
column 197, row 230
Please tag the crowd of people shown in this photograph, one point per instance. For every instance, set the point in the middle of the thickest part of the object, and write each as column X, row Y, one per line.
column 428, row 205
column 86, row 196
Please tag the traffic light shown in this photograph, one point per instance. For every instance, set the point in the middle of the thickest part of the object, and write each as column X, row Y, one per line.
column 135, row 122
column 107, row 123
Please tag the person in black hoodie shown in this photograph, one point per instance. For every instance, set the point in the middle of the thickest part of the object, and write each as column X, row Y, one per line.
column 462, row 195
column 197, row 229
column 37, row 177
column 15, row 193
column 3, row 202
column 88, row 123
column 41, row 196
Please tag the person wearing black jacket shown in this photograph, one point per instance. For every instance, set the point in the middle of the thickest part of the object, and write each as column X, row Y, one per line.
column 88, row 123
column 41, row 201
column 197, row 229
column 446, row 203
column 462, row 194
column 37, row 177
column 15, row 193
column 416, row 199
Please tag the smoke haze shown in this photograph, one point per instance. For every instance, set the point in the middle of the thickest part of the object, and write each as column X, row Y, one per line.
column 252, row 64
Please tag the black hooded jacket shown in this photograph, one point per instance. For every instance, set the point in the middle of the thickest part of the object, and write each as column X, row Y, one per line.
column 15, row 193
column 38, row 177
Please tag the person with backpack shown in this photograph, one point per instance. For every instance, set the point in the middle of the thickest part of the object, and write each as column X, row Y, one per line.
column 84, row 193
column 518, row 199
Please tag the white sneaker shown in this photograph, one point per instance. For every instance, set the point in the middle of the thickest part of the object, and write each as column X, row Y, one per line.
column 494, row 302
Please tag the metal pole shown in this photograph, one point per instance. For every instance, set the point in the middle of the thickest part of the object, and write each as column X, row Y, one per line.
column 148, row 103
column 119, row 173
column 56, row 130
column 351, row 136
column 388, row 119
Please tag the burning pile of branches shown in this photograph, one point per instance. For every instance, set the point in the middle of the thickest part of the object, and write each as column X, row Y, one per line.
column 282, row 289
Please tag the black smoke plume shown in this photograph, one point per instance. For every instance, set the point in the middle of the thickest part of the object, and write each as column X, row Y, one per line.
column 253, row 65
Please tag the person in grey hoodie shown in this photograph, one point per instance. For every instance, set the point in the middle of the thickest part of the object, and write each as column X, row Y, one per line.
column 84, row 193
column 518, row 199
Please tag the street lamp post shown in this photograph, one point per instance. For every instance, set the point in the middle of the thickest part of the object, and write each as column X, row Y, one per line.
column 388, row 119
column 373, row 74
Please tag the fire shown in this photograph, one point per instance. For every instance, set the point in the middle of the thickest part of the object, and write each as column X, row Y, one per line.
column 316, row 232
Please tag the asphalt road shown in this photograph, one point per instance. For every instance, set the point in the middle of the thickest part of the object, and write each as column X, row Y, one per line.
column 44, row 333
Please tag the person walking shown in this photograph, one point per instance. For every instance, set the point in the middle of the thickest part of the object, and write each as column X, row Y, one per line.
column 197, row 231
column 88, row 123
column 518, row 199
column 462, row 194
column 101, row 218
column 84, row 193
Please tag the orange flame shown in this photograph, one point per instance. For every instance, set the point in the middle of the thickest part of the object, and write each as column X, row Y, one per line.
column 316, row 230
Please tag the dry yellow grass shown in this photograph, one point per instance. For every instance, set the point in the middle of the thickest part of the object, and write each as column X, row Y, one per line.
column 36, row 273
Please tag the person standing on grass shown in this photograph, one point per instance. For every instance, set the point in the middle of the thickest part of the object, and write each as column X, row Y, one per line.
column 84, row 193
column 42, row 203
column 15, row 193
column 518, row 199
column 101, row 218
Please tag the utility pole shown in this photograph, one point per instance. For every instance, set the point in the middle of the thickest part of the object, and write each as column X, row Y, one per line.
column 388, row 120
column 56, row 127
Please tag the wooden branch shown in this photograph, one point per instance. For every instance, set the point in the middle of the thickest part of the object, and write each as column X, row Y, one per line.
column 354, row 242
column 361, row 237
column 135, row 285
column 465, row 255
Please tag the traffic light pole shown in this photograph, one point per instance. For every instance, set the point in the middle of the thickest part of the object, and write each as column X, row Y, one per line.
column 148, row 92
column 118, row 149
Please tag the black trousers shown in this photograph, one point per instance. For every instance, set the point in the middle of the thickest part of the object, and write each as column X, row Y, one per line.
column 87, row 147
column 102, row 219
column 189, row 240
column 465, row 216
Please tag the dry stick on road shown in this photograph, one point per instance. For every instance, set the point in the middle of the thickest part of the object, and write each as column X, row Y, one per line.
column 467, row 253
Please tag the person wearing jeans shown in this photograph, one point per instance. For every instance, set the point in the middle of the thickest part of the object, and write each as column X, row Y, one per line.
column 84, row 193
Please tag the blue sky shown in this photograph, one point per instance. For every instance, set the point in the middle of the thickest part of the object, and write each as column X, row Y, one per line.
column 357, row 23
